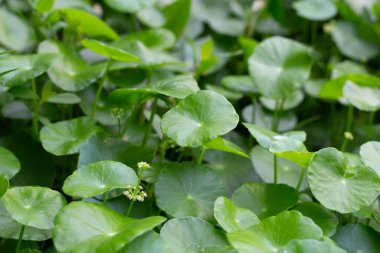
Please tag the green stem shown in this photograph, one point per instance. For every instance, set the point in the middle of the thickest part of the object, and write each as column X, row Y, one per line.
column 275, row 169
column 277, row 114
column 301, row 178
column 350, row 116
column 135, row 193
column 370, row 125
column 35, row 111
column 150, row 123
column 20, row 238
column 104, row 199
column 119, row 130
column 99, row 91
column 202, row 155
column 254, row 109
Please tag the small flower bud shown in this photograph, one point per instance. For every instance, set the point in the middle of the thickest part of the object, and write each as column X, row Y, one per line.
column 143, row 165
column 117, row 112
column 348, row 136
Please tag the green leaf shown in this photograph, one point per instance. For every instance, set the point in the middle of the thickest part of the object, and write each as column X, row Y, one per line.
column 66, row 137
column 243, row 84
column 189, row 234
column 98, row 149
column 109, row 51
column 9, row 164
column 274, row 232
column 334, row 88
column 287, row 172
column 26, row 67
column 370, row 155
column 339, row 187
column 64, row 98
column 156, row 39
column 265, row 199
column 323, row 217
column 148, row 243
column 34, row 206
column 4, row 185
column 293, row 100
column 266, row 138
column 292, row 150
column 199, row 118
column 177, row 86
column 315, row 10
column 310, row 245
column 179, row 8
column 350, row 44
column 224, row 145
column 88, row 24
column 70, row 72
column 358, row 238
column 15, row 33
column 42, row 6
column 186, row 189
column 231, row 217
column 362, row 98
column 129, row 6
column 97, row 178
column 88, row 228
column 11, row 229
column 278, row 66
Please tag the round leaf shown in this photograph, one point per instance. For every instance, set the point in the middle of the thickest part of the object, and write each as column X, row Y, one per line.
column 148, row 243
column 339, row 187
column 323, row 217
column 278, row 66
column 9, row 164
column 4, row 185
column 26, row 67
column 15, row 33
column 274, row 232
column 362, row 98
column 64, row 98
column 97, row 178
column 265, row 199
column 33, row 206
column 188, row 190
column 310, row 245
column 370, row 155
column 184, row 235
column 316, row 10
column 88, row 228
column 346, row 38
column 66, row 137
column 129, row 6
column 199, row 118
column 358, row 238
column 11, row 229
column 231, row 217
column 224, row 145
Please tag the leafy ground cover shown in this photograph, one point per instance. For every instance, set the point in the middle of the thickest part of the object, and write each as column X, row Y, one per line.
column 189, row 126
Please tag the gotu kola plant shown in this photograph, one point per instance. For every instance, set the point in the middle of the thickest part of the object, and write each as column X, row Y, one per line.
column 189, row 126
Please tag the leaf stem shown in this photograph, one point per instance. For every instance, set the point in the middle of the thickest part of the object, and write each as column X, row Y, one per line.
column 350, row 115
column 275, row 168
column 36, row 108
column 277, row 114
column 20, row 238
column 135, row 193
column 370, row 125
column 202, row 155
column 104, row 199
column 99, row 91
column 150, row 123
column 301, row 178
